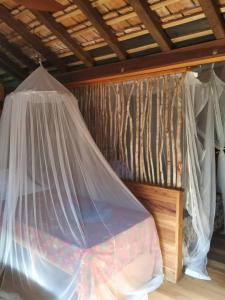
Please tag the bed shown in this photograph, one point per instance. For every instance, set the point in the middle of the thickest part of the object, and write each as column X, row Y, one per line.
column 114, row 259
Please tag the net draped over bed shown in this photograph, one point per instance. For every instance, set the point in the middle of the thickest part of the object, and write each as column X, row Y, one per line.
column 66, row 221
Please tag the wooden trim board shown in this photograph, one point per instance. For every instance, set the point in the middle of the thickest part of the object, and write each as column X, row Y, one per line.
column 166, row 206
column 186, row 57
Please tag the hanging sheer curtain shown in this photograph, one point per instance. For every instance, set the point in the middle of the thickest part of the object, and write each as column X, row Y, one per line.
column 67, row 222
column 203, row 130
column 219, row 107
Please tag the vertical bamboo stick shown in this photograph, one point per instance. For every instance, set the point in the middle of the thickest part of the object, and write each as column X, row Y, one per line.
column 120, row 123
column 168, row 149
column 157, row 129
column 172, row 135
column 137, row 135
column 162, row 124
column 143, row 121
column 179, row 130
column 148, row 96
column 128, row 104
column 115, row 137
column 151, row 144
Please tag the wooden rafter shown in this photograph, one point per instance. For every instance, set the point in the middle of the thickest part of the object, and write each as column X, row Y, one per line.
column 96, row 19
column 30, row 38
column 16, row 52
column 10, row 67
column 214, row 17
column 151, row 22
column 204, row 53
column 58, row 30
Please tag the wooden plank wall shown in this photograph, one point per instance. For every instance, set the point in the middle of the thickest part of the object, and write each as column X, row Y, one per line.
column 166, row 206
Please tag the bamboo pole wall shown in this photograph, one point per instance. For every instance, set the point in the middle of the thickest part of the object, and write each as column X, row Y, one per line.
column 138, row 127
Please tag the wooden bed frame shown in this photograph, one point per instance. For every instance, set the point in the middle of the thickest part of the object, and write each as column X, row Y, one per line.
column 166, row 206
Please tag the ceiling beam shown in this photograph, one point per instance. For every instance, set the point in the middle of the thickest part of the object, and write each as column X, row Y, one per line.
column 208, row 52
column 151, row 22
column 58, row 30
column 30, row 38
column 10, row 67
column 16, row 52
column 104, row 30
column 212, row 12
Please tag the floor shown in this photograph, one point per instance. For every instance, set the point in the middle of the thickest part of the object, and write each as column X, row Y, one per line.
column 192, row 289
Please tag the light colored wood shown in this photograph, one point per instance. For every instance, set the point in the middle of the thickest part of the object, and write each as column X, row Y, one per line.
column 135, row 76
column 166, row 206
column 97, row 21
column 154, row 6
column 193, row 289
column 162, row 4
column 152, row 23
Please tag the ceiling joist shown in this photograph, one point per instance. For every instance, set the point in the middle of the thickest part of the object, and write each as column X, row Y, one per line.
column 10, row 67
column 96, row 19
column 61, row 33
column 214, row 17
column 16, row 52
column 30, row 38
column 151, row 22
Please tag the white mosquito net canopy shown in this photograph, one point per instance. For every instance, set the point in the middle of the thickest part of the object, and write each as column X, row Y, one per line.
column 67, row 223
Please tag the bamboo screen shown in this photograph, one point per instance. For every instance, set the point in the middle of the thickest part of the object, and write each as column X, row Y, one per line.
column 138, row 127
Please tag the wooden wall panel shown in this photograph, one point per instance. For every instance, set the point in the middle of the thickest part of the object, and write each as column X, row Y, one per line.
column 166, row 206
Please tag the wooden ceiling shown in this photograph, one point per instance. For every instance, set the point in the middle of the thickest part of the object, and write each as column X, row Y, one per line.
column 98, row 32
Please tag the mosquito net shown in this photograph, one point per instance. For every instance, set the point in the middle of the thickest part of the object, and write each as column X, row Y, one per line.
column 204, row 132
column 67, row 223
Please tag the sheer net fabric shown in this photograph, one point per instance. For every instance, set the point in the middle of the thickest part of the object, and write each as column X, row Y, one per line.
column 67, row 222
column 204, row 131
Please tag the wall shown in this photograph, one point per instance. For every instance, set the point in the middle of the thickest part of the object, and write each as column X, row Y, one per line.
column 138, row 127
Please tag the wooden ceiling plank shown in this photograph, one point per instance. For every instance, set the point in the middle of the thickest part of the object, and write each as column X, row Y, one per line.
column 151, row 22
column 30, row 38
column 10, row 67
column 58, row 30
column 162, row 4
column 96, row 19
column 214, row 17
column 16, row 52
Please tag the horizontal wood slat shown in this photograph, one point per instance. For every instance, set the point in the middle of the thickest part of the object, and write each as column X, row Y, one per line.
column 166, row 206
column 204, row 53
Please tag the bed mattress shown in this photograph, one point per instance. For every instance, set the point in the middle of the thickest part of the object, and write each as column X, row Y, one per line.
column 112, row 256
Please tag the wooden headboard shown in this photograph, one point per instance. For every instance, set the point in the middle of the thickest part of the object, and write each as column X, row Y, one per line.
column 166, row 206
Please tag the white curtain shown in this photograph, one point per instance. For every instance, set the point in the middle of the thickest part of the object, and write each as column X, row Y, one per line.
column 204, row 130
column 67, row 222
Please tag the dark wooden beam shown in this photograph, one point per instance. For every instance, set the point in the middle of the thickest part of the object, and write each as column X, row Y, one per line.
column 105, row 31
column 214, row 17
column 30, row 38
column 10, row 67
column 58, row 30
column 16, row 52
column 151, row 22
column 208, row 52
